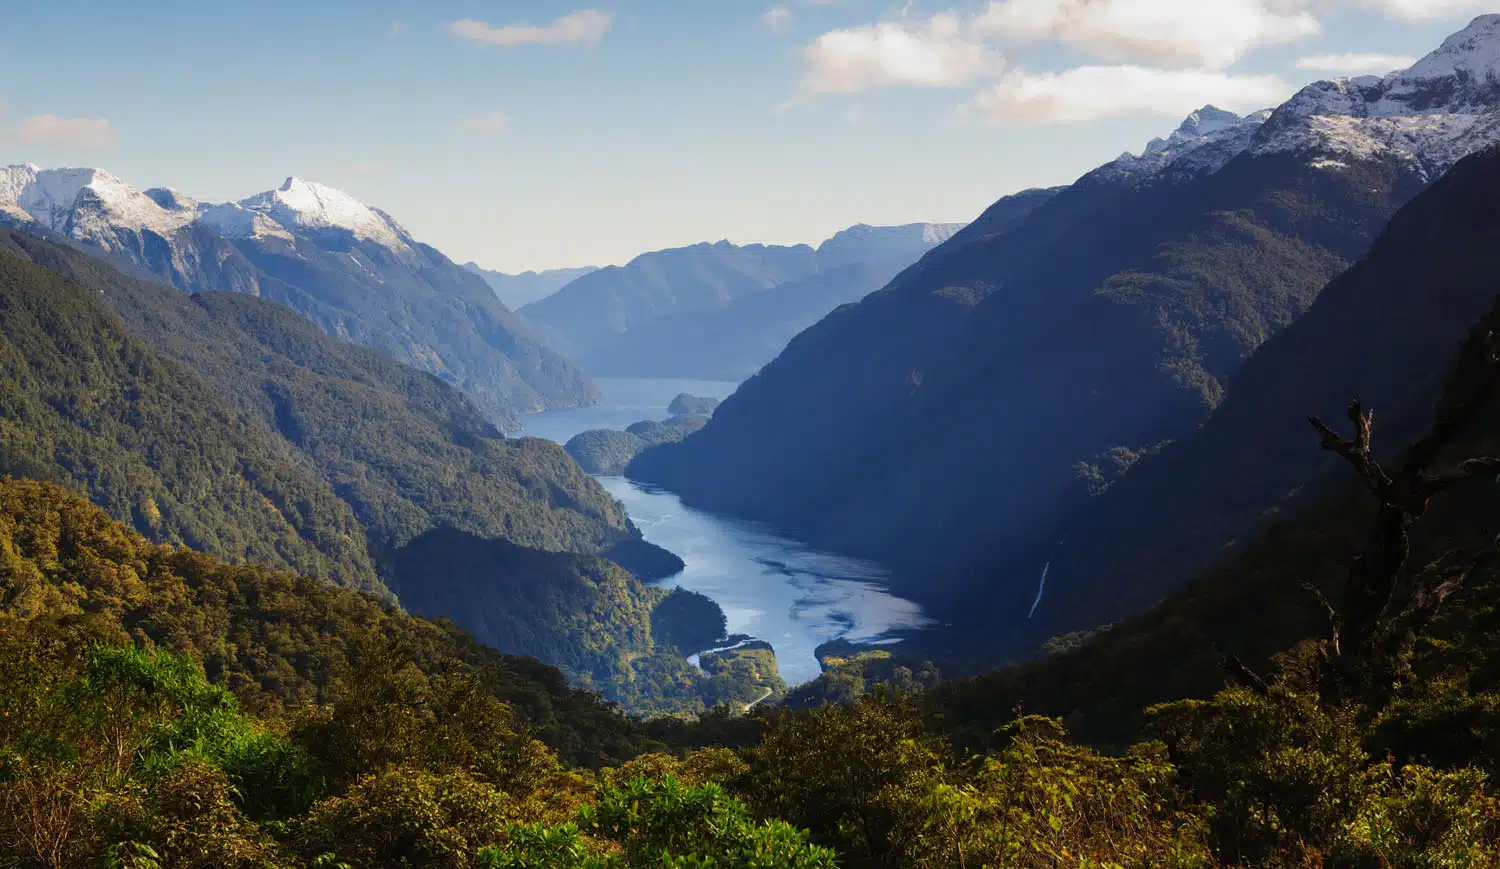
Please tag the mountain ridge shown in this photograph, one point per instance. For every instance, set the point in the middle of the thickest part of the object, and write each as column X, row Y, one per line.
column 345, row 265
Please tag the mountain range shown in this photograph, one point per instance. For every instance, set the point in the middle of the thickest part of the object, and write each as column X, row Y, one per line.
column 954, row 422
column 720, row 311
column 348, row 267
column 527, row 287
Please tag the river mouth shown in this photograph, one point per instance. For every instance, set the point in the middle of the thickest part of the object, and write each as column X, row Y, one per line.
column 770, row 587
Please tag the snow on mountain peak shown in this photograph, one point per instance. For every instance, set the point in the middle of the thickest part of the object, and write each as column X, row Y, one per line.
column 1432, row 115
column 1209, row 119
column 84, row 203
column 1473, row 52
column 306, row 205
column 171, row 200
column 1205, row 141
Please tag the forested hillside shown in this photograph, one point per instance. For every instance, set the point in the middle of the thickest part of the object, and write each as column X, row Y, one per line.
column 407, row 451
column 262, row 440
column 88, row 405
column 1384, row 330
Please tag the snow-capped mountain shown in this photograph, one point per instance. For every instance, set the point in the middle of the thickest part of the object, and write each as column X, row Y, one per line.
column 1429, row 116
column 85, row 204
column 1204, row 143
column 344, row 264
column 1432, row 115
column 305, row 208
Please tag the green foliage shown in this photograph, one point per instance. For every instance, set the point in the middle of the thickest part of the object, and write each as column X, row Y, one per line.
column 86, row 404
column 661, row 823
column 582, row 614
column 406, row 451
column 687, row 622
column 850, row 671
column 271, row 638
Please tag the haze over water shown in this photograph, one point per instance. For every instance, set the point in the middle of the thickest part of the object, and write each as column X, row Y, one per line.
column 770, row 587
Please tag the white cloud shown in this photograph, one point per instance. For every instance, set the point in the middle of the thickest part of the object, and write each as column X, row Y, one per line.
column 935, row 54
column 1089, row 93
column 492, row 124
column 778, row 19
column 1423, row 10
column 88, row 133
column 396, row 30
column 584, row 27
column 1356, row 63
column 1187, row 33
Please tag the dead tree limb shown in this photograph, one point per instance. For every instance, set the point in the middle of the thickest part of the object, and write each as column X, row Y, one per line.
column 1376, row 573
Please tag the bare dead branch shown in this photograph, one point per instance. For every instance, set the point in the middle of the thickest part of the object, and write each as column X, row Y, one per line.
column 1332, row 645
column 1244, row 675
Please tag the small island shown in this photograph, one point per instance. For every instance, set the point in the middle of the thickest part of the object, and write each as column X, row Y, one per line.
column 695, row 404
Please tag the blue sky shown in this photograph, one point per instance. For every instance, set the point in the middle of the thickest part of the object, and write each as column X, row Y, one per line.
column 535, row 134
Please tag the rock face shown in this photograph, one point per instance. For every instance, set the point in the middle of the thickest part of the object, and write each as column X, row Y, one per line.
column 685, row 403
column 346, row 266
column 938, row 424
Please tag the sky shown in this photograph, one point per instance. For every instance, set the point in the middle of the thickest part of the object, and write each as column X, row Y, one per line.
column 532, row 134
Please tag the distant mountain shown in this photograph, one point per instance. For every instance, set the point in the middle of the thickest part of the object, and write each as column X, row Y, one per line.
column 949, row 422
column 600, row 306
column 721, row 311
column 732, row 342
column 348, row 267
column 527, row 287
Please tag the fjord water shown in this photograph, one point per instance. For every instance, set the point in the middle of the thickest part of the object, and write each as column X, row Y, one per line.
column 770, row 587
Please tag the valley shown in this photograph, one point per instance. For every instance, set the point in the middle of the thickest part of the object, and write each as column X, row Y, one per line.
column 770, row 587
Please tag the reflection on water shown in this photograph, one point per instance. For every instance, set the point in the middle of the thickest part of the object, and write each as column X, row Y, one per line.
column 769, row 587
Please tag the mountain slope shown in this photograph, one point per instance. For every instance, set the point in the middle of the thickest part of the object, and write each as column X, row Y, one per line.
column 272, row 637
column 1392, row 330
column 1384, row 330
column 527, row 287
column 346, row 266
column 983, row 393
column 88, row 405
column 405, row 450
